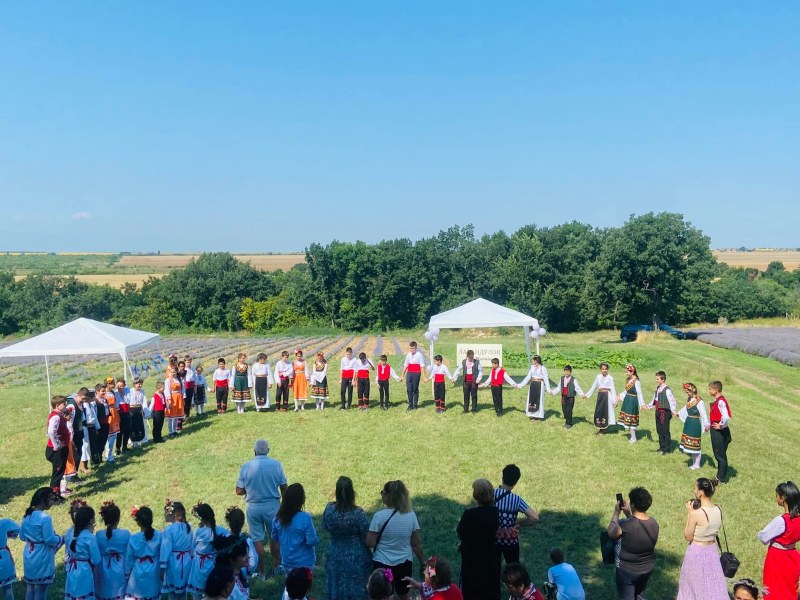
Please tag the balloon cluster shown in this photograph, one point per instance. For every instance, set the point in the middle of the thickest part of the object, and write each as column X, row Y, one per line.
column 537, row 332
column 432, row 334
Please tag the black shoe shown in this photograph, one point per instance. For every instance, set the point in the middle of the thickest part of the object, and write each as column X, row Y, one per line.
column 409, row 409
column 567, row 426
column 465, row 411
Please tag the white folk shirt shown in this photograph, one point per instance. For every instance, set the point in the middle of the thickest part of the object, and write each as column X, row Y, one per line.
column 135, row 398
column 382, row 367
column 221, row 375
column 318, row 376
column 283, row 370
column 414, row 358
column 470, row 364
column 441, row 370
column 190, row 375
column 603, row 382
column 348, row 364
column 559, row 389
column 537, row 372
column 263, row 370
column 670, row 398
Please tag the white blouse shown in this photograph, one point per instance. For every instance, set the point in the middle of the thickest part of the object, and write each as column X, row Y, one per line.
column 537, row 372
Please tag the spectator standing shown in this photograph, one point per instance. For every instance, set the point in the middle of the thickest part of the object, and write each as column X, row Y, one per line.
column 720, row 418
column 262, row 482
column 293, row 536
column 477, row 530
column 637, row 535
column 509, row 505
column 782, row 564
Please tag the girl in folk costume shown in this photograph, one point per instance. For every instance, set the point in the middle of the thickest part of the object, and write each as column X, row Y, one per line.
column 438, row 584
column 319, row 381
column 385, row 371
column 200, row 384
column 496, row 378
column 361, row 380
column 8, row 571
column 204, row 554
column 189, row 384
column 540, row 383
column 234, row 517
column 300, row 380
column 82, row 553
column 232, row 551
column 42, row 543
column 182, row 375
column 604, row 414
column 110, row 581
column 632, row 400
column 114, row 420
column 241, row 382
column 173, row 389
column 176, row 550
column 439, row 372
column 222, row 377
column 137, row 403
column 262, row 381
column 782, row 564
column 695, row 422
column 283, row 377
column 142, row 560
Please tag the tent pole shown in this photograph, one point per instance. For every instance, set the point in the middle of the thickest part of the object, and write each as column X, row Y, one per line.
column 125, row 365
column 431, row 359
column 47, row 370
column 526, row 333
column 537, row 345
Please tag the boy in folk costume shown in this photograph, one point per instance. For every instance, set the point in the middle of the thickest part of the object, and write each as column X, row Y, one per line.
column 189, row 385
column 412, row 372
column 199, row 391
column 606, row 393
column 695, row 422
column 121, row 395
column 221, row 378
column 262, row 381
column 157, row 408
column 283, row 377
column 241, row 382
column 319, row 381
column 496, row 379
column 632, row 400
column 361, row 380
column 181, row 371
column 471, row 367
column 347, row 369
column 664, row 403
column 540, row 384
column 568, row 387
column 385, row 371
column 439, row 372
column 300, row 380
column 720, row 431
column 58, row 441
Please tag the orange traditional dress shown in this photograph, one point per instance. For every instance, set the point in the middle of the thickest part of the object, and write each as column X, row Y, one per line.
column 174, row 387
column 113, row 414
column 300, row 380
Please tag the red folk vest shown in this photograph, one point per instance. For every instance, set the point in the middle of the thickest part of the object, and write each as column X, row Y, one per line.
column 716, row 414
column 498, row 376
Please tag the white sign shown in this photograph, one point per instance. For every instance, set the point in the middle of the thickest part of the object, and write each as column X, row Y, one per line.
column 483, row 352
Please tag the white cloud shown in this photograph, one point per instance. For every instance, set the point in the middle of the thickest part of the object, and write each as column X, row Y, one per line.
column 82, row 216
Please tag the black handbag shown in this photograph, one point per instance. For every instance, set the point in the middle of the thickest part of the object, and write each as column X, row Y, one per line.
column 607, row 548
column 728, row 560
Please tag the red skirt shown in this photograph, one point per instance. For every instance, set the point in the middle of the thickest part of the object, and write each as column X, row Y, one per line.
column 781, row 573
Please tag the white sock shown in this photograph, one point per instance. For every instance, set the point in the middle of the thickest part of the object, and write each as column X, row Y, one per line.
column 697, row 458
column 633, row 433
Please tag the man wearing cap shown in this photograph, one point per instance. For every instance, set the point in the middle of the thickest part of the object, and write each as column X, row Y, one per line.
column 262, row 482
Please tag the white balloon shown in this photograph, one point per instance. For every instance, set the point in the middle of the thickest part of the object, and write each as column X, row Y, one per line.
column 428, row 335
column 534, row 333
column 435, row 338
column 542, row 332
column 435, row 332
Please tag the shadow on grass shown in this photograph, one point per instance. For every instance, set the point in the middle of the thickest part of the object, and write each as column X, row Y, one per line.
column 20, row 486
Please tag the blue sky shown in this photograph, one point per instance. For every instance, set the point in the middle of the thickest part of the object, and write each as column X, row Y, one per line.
column 264, row 126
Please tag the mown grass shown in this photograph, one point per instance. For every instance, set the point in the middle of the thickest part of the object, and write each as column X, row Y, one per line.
column 571, row 476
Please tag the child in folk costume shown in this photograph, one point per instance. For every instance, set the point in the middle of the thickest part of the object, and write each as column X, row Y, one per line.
column 41, row 544
column 283, row 378
column 720, row 417
column 347, row 369
column 632, row 400
column 438, row 584
column 262, row 381
column 496, row 379
column 173, row 386
column 221, row 377
column 176, row 551
column 71, row 470
column 695, row 422
column 82, row 553
column 203, row 543
column 234, row 517
column 361, row 380
column 114, row 420
column 299, row 380
column 298, row 583
column 604, row 414
column 384, row 372
column 439, row 372
column 540, row 383
column 241, row 382
column 200, row 384
column 568, row 387
column 8, row 572
column 473, row 371
column 157, row 409
column 143, row 559
column 58, row 441
column 319, row 381
column 137, row 404
column 664, row 404
column 233, row 552
column 110, row 581
column 189, row 385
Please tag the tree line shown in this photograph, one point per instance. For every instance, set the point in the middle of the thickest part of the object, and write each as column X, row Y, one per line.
column 572, row 277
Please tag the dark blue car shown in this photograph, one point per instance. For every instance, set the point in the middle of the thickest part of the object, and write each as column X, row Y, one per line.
column 629, row 332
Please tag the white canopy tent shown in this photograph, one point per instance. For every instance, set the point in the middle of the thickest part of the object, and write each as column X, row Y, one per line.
column 80, row 337
column 482, row 313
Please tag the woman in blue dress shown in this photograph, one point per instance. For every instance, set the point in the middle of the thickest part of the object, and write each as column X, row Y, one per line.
column 82, row 554
column 142, row 561
column 348, row 561
column 109, row 576
column 42, row 543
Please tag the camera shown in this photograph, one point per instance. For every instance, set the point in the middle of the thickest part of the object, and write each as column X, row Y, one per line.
column 695, row 503
column 550, row 591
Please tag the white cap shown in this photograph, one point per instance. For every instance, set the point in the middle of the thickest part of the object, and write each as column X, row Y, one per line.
column 261, row 447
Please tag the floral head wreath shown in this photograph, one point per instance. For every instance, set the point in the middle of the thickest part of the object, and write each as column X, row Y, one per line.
column 298, row 351
column 195, row 509
column 690, row 388
column 107, row 504
column 432, row 561
column 169, row 507
column 76, row 504
column 135, row 511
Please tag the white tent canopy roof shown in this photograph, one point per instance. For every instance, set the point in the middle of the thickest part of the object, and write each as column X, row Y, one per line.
column 481, row 313
column 82, row 336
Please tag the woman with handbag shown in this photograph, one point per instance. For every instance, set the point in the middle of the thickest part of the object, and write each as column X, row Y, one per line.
column 782, row 564
column 394, row 536
column 637, row 535
column 701, row 572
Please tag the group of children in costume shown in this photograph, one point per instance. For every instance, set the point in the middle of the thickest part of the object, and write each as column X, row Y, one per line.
column 116, row 564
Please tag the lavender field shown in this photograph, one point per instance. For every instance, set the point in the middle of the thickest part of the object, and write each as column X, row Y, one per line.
column 778, row 343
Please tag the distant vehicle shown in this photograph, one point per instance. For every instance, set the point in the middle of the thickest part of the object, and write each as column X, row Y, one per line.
column 630, row 332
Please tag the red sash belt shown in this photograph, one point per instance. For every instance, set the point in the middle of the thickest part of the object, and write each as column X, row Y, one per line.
column 224, row 384
column 414, row 368
column 189, row 385
column 72, row 562
column 124, row 408
column 113, row 556
column 468, row 377
column 363, row 373
column 204, row 558
column 438, row 378
column 347, row 373
column 181, row 554
column 144, row 559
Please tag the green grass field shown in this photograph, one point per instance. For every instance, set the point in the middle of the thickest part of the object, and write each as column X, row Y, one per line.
column 570, row 476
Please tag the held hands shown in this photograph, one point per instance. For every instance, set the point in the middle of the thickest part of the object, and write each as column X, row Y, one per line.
column 715, row 426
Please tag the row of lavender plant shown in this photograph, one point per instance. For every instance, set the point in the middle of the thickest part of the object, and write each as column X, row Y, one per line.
column 778, row 343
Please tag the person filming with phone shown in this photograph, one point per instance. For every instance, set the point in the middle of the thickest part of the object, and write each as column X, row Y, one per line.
column 637, row 535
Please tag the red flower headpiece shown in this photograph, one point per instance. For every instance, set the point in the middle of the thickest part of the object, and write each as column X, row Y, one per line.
column 169, row 507
column 107, row 504
column 134, row 511
column 76, row 504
